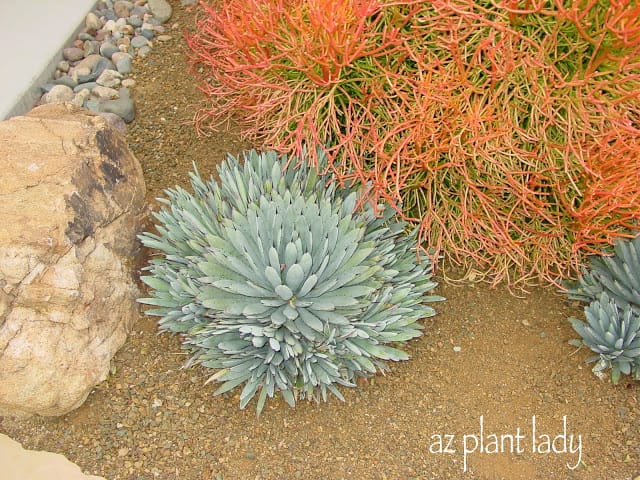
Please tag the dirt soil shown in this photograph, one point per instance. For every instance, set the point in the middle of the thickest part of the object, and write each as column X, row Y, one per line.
column 492, row 390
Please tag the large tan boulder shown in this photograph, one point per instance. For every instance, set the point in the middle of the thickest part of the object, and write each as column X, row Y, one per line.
column 20, row 464
column 71, row 204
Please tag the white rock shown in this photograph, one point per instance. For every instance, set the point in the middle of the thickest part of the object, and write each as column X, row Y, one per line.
column 92, row 22
column 58, row 94
column 109, row 78
column 66, row 264
column 20, row 464
column 104, row 93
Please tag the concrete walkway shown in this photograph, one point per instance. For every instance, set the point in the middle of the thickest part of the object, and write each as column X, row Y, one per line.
column 33, row 34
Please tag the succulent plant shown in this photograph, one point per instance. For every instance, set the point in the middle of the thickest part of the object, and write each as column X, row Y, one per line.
column 276, row 280
column 617, row 275
column 614, row 334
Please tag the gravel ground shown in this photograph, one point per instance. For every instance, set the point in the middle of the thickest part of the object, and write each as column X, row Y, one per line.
column 489, row 366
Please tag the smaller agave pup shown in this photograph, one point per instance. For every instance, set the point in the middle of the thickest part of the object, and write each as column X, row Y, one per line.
column 614, row 334
column 275, row 280
column 612, row 286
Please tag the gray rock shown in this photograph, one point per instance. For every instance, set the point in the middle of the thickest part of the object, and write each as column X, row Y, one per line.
column 160, row 9
column 188, row 3
column 84, row 36
column 109, row 78
column 139, row 42
column 82, row 86
column 123, row 65
column 123, row 106
column 66, row 80
column 107, row 49
column 58, row 94
column 139, row 11
column 144, row 51
column 47, row 87
column 109, row 14
column 148, row 34
column 92, row 104
column 135, row 21
column 98, row 68
column 73, row 54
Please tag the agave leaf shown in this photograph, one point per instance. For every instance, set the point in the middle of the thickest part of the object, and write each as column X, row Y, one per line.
column 294, row 276
column 284, row 292
column 310, row 320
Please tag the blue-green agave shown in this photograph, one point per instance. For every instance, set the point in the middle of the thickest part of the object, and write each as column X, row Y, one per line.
column 277, row 281
column 618, row 275
column 614, row 334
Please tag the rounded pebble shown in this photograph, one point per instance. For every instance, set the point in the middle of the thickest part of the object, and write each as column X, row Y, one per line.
column 104, row 93
column 58, row 94
column 107, row 49
column 160, row 9
column 139, row 42
column 144, row 51
column 135, row 21
column 148, row 34
column 109, row 78
column 92, row 22
column 85, row 86
column 73, row 54
column 122, row 9
column 123, row 65
column 63, row 66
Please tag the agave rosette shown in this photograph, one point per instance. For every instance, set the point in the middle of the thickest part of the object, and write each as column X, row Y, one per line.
column 614, row 334
column 275, row 279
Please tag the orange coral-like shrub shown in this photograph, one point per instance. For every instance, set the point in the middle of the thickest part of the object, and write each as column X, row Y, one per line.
column 509, row 131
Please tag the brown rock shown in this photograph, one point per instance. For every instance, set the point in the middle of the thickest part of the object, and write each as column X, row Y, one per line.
column 20, row 464
column 72, row 202
column 121, row 9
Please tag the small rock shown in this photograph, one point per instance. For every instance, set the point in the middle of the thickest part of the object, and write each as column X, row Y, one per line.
column 127, row 30
column 58, row 94
column 188, row 3
column 63, row 66
column 135, row 21
column 84, row 36
column 123, row 65
column 91, row 47
column 109, row 78
column 80, row 72
column 73, row 54
column 123, row 452
column 101, row 35
column 66, row 80
column 107, row 49
column 109, row 14
column 139, row 41
column 144, row 51
column 122, row 9
column 123, row 106
column 116, row 57
column 160, row 9
column 81, row 97
column 110, row 26
column 146, row 33
column 104, row 93
column 92, row 22
column 123, row 42
column 100, row 66
column 164, row 38
column 85, row 86
column 88, row 62
column 128, row 83
column 457, row 349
